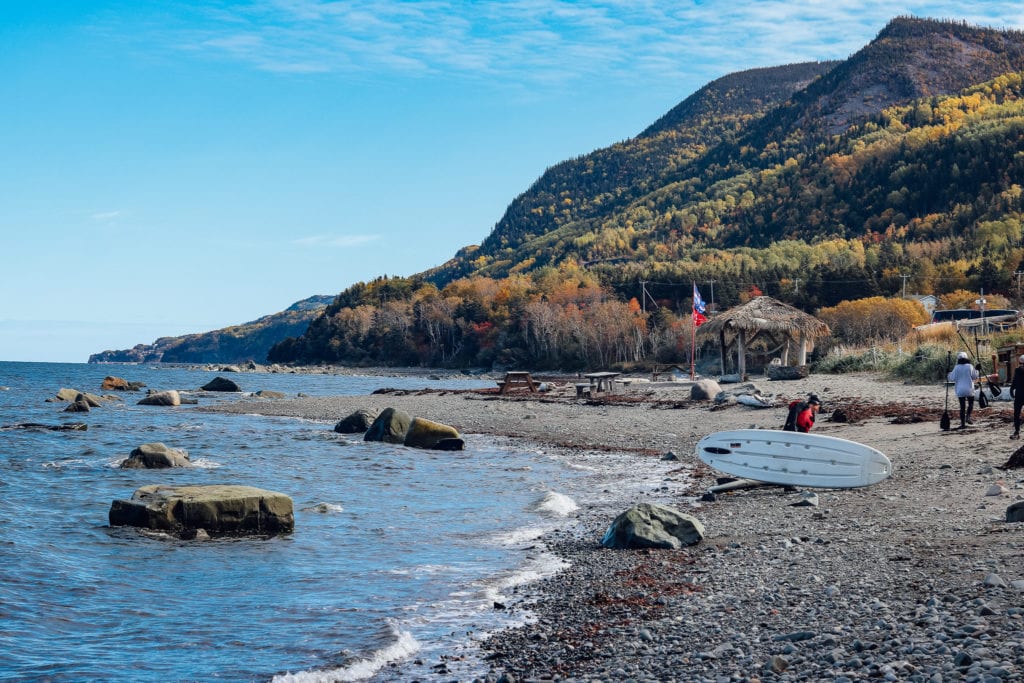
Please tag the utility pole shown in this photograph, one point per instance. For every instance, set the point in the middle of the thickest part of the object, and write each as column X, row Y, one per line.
column 712, row 283
column 797, row 283
column 1018, row 274
column 904, row 276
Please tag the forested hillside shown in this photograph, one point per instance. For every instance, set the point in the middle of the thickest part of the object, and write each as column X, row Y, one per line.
column 898, row 168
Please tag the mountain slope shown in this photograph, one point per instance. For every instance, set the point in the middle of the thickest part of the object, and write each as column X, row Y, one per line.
column 235, row 344
column 718, row 142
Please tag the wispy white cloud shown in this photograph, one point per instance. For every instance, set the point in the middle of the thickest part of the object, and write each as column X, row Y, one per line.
column 335, row 240
column 106, row 216
column 532, row 42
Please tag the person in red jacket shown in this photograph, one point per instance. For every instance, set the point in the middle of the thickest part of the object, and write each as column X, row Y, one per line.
column 801, row 414
column 805, row 418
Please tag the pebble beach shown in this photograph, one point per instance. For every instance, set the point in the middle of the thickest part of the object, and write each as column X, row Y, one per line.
column 917, row 578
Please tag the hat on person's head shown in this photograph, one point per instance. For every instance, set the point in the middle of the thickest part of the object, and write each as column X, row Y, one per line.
column 961, row 355
column 813, row 400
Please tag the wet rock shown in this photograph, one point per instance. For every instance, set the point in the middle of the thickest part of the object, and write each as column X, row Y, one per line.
column 218, row 510
column 221, row 384
column 155, row 456
column 390, row 426
column 423, row 433
column 358, row 421
column 162, row 398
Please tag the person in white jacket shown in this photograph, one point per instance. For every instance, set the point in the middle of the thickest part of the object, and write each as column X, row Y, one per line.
column 964, row 377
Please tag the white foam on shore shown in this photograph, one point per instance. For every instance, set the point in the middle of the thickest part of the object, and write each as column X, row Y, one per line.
column 540, row 567
column 556, row 505
column 519, row 536
column 404, row 647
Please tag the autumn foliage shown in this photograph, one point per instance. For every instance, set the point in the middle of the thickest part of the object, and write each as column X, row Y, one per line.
column 874, row 319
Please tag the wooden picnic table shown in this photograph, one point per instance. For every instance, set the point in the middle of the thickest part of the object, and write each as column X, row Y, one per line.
column 602, row 381
column 517, row 380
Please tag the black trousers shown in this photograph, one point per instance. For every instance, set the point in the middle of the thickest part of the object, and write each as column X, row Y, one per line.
column 1018, row 403
column 966, row 407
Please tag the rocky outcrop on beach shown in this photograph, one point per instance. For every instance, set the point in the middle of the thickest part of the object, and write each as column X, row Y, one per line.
column 651, row 525
column 705, row 390
column 155, row 456
column 216, row 510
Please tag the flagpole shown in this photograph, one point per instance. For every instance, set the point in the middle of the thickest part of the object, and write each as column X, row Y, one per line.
column 693, row 336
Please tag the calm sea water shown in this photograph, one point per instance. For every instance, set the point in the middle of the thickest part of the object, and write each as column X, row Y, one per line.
column 398, row 554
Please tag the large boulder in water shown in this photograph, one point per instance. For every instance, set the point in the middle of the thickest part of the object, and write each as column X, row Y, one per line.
column 220, row 384
column 155, row 456
column 218, row 510
column 357, row 422
column 705, row 390
column 650, row 525
column 425, row 433
column 162, row 398
column 111, row 383
column 390, row 426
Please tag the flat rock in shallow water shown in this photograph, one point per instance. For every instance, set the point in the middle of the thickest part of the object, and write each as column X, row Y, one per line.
column 218, row 510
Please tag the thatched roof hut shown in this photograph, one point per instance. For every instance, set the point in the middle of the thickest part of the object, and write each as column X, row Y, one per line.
column 786, row 325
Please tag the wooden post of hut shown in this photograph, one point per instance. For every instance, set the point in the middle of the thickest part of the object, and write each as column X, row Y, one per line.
column 741, row 354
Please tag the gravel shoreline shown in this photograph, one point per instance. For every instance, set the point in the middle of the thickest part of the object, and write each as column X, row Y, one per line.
column 918, row 578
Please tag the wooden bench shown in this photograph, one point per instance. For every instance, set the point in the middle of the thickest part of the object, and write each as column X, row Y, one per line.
column 583, row 389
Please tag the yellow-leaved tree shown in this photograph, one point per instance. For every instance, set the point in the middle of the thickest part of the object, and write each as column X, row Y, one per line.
column 875, row 319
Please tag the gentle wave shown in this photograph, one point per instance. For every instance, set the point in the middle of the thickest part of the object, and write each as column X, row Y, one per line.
column 556, row 504
column 324, row 508
column 405, row 646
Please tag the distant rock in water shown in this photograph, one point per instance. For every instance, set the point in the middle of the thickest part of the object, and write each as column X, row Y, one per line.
column 216, row 510
column 66, row 427
column 155, row 456
column 162, row 398
column 221, row 384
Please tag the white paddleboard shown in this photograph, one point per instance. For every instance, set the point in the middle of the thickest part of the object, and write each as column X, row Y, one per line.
column 794, row 458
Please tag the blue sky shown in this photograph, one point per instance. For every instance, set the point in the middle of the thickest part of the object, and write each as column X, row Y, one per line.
column 173, row 167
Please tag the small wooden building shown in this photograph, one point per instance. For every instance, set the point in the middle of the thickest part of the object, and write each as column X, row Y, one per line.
column 785, row 326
